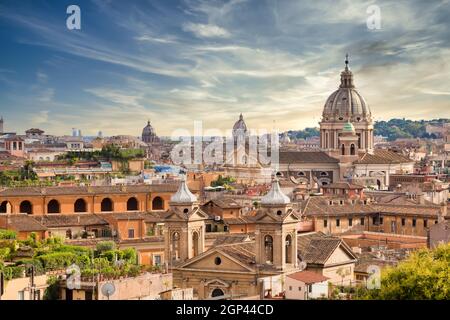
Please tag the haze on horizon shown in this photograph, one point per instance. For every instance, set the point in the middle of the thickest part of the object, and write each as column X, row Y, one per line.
column 176, row 62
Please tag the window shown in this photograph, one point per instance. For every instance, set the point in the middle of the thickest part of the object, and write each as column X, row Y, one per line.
column 352, row 149
column 107, row 205
column 301, row 174
column 88, row 295
column 403, row 222
column 425, row 223
column 158, row 203
column 279, row 212
column 381, row 220
column 299, row 288
column 338, row 222
column 130, row 233
column 53, row 207
column 325, row 223
column 341, row 202
column 132, row 204
column 361, row 221
column 217, row 261
column 310, row 288
column 268, row 248
column 157, row 260
column 288, row 248
column 374, row 221
column 79, row 206
column 290, row 288
column 350, row 222
column 414, row 223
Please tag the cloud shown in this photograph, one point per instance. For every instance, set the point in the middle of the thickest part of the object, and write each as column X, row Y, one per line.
column 206, row 30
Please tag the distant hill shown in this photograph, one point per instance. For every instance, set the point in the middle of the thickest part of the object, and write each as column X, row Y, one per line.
column 392, row 129
column 402, row 128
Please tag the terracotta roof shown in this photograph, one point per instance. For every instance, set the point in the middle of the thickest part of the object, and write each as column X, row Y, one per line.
column 221, row 239
column 76, row 190
column 21, row 223
column 382, row 157
column 225, row 203
column 343, row 185
column 132, row 215
column 308, row 277
column 244, row 253
column 316, row 248
column 67, row 220
column 305, row 157
column 319, row 206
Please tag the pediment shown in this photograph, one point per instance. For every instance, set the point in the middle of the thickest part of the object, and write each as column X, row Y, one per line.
column 217, row 283
column 207, row 262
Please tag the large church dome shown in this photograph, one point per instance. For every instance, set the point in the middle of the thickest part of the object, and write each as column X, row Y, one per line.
column 346, row 103
column 149, row 134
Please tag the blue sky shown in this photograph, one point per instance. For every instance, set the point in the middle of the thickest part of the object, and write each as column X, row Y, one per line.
column 174, row 62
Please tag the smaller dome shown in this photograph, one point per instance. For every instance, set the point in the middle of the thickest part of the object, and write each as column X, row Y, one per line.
column 240, row 127
column 148, row 129
column 348, row 127
column 183, row 194
column 275, row 195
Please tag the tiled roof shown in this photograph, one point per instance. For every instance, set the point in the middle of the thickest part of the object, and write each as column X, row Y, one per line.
column 226, row 203
column 343, row 185
column 22, row 223
column 319, row 206
column 49, row 191
column 305, row 157
column 244, row 253
column 316, row 248
column 67, row 220
column 382, row 157
column 308, row 277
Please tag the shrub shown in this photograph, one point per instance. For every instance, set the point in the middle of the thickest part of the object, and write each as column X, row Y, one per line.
column 52, row 291
column 105, row 246
column 7, row 234
column 58, row 260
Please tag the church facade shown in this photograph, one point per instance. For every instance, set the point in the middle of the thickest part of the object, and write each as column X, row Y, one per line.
column 347, row 151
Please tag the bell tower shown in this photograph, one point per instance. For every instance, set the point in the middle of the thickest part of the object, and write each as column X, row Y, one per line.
column 184, row 227
column 276, row 231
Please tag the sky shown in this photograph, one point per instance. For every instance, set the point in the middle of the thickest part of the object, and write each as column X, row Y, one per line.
column 176, row 62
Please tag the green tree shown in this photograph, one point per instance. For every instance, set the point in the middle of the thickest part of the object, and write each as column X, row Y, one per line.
column 424, row 275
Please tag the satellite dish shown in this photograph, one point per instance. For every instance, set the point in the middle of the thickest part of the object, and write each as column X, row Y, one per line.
column 108, row 289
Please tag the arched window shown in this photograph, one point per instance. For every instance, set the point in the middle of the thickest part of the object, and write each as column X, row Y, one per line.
column 5, row 207
column 175, row 245
column 195, row 243
column 157, row 203
column 68, row 234
column 53, row 206
column 217, row 293
column 79, row 206
column 107, row 205
column 352, row 149
column 26, row 207
column 268, row 248
column 343, row 150
column 132, row 204
column 288, row 249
